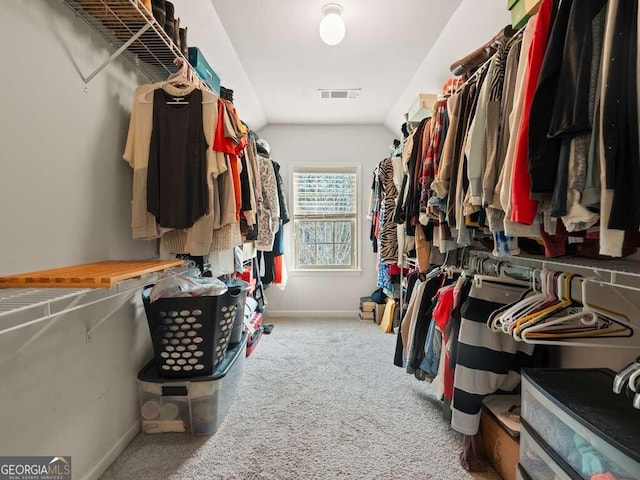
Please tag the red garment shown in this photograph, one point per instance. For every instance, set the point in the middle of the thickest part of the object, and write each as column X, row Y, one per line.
column 555, row 245
column 523, row 208
column 442, row 311
column 224, row 144
column 237, row 186
column 442, row 315
column 277, row 269
column 394, row 269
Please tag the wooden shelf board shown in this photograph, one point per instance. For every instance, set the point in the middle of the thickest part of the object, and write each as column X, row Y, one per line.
column 91, row 275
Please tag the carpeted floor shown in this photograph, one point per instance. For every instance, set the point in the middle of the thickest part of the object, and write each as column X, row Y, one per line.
column 320, row 399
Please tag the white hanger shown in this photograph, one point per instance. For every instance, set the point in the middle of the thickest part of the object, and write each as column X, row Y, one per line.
column 176, row 79
column 558, row 302
column 501, row 322
column 588, row 316
column 530, row 304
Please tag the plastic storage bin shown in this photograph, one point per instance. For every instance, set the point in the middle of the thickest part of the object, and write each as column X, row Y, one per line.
column 197, row 405
column 577, row 416
column 190, row 335
column 536, row 462
column 521, row 474
column 204, row 70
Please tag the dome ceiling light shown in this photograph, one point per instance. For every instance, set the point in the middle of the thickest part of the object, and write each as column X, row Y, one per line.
column 332, row 27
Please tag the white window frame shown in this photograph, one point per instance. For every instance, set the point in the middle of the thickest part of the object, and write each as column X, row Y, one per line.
column 327, row 168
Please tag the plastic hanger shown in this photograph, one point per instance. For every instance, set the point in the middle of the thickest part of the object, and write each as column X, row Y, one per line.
column 527, row 305
column 605, row 324
column 530, row 304
column 494, row 322
column 180, row 81
column 623, row 376
column 560, row 287
column 563, row 301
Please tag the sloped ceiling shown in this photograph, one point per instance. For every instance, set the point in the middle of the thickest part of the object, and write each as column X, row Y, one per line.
column 271, row 55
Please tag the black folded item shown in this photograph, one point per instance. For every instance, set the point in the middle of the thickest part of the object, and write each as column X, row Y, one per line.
column 170, row 9
column 159, row 11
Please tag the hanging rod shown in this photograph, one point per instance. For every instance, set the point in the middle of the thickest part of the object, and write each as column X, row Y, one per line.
column 497, row 267
column 614, row 269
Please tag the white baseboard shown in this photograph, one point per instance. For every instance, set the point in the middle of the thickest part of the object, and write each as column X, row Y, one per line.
column 310, row 314
column 106, row 461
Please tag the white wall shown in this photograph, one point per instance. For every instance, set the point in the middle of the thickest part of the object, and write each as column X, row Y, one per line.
column 206, row 31
column 65, row 199
column 309, row 294
column 473, row 24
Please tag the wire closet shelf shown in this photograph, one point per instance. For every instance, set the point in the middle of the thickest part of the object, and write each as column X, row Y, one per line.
column 134, row 33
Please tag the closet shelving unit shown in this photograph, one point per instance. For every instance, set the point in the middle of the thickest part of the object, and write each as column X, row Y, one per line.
column 23, row 307
column 133, row 33
column 616, row 272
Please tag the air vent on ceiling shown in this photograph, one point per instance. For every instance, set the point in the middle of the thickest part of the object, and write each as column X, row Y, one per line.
column 345, row 93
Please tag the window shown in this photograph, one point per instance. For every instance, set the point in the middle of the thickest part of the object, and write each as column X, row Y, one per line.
column 324, row 213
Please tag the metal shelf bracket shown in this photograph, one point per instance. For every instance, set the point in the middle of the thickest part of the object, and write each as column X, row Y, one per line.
column 115, row 55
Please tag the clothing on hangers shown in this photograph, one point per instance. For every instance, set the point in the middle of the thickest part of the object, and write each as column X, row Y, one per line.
column 177, row 193
column 486, row 362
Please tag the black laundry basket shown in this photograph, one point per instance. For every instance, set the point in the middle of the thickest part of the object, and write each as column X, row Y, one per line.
column 190, row 335
column 238, row 324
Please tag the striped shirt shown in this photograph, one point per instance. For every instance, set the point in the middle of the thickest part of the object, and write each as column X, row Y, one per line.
column 487, row 362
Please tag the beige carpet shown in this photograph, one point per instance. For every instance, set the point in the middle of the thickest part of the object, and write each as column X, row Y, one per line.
column 320, row 399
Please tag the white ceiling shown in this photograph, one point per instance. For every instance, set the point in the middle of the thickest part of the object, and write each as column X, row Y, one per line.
column 270, row 53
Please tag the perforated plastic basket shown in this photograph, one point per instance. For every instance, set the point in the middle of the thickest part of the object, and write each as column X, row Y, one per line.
column 238, row 324
column 190, row 335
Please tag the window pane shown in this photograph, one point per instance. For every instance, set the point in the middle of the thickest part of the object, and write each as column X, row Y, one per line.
column 343, row 232
column 307, row 232
column 324, row 232
column 325, row 255
column 324, row 193
column 343, row 254
column 307, row 254
column 325, row 209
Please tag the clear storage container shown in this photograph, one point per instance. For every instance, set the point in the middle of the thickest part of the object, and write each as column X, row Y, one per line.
column 197, row 405
column 576, row 414
column 536, row 462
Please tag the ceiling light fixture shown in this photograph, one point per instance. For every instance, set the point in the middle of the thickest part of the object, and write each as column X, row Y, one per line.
column 332, row 27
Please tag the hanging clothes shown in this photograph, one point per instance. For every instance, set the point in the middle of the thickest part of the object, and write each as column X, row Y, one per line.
column 177, row 193
column 388, row 238
column 197, row 239
column 541, row 142
column 486, row 362
column 620, row 120
column 269, row 208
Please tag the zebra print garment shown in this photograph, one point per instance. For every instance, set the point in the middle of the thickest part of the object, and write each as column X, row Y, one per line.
column 388, row 231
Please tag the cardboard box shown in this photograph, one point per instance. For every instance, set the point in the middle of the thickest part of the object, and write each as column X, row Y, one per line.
column 368, row 306
column 422, row 107
column 379, row 313
column 502, row 449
